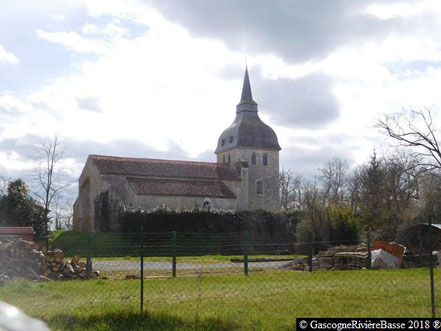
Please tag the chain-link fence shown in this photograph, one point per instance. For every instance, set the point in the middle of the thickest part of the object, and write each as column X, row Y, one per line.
column 237, row 280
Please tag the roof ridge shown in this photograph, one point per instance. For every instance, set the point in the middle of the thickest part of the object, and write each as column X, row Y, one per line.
column 169, row 179
column 123, row 158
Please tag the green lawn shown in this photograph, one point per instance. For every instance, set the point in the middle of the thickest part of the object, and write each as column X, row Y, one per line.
column 261, row 301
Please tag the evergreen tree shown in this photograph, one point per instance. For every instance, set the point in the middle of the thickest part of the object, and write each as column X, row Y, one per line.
column 18, row 208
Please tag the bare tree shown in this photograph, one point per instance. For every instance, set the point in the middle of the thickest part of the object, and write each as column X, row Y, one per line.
column 50, row 180
column 415, row 129
column 335, row 181
column 290, row 190
column 62, row 213
column 67, row 216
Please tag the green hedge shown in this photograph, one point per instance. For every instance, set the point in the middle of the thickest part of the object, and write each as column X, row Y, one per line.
column 220, row 232
column 211, row 221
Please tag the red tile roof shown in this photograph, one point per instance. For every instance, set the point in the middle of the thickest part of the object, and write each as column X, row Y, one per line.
column 163, row 168
column 16, row 230
column 202, row 188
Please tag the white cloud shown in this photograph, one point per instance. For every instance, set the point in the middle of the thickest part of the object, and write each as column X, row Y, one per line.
column 13, row 161
column 74, row 41
column 163, row 88
column 7, row 57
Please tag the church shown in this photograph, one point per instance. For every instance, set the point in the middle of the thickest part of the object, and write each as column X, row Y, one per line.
column 245, row 176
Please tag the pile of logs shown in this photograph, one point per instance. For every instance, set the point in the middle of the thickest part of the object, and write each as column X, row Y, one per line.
column 22, row 259
column 54, row 266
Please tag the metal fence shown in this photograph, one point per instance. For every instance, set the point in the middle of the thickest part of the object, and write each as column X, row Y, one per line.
column 246, row 281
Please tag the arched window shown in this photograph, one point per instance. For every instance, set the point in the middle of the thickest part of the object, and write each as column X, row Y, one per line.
column 259, row 187
column 223, row 142
column 265, row 160
column 229, row 159
column 231, row 139
column 253, row 159
column 223, row 159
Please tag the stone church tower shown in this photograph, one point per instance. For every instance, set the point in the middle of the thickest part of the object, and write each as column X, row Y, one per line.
column 251, row 148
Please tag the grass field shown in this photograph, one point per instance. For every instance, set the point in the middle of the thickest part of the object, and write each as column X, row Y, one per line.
column 262, row 301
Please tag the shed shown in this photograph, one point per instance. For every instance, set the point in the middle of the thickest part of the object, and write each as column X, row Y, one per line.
column 24, row 232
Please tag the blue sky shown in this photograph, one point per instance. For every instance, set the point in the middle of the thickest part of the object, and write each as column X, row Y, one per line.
column 161, row 79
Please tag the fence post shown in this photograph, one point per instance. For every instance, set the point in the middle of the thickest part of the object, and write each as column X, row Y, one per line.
column 174, row 254
column 310, row 251
column 432, row 285
column 142, row 267
column 420, row 247
column 369, row 256
column 89, row 255
column 245, row 254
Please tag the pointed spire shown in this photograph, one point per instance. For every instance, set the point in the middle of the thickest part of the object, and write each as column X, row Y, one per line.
column 247, row 96
column 246, row 101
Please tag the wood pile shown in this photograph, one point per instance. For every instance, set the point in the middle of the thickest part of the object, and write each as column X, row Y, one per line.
column 54, row 266
column 22, row 259
column 343, row 257
column 301, row 264
column 335, row 258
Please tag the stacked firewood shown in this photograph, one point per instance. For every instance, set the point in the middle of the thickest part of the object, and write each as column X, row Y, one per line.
column 54, row 266
column 21, row 259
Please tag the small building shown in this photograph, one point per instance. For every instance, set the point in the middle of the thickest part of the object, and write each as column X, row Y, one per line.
column 245, row 176
column 23, row 232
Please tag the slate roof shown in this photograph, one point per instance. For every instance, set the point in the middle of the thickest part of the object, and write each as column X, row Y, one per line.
column 247, row 130
column 163, row 168
column 246, row 100
column 203, row 188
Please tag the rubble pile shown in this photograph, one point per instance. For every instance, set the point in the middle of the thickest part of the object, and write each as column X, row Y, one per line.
column 19, row 258
column 22, row 259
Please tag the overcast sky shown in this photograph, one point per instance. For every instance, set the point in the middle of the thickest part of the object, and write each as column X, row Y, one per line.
column 161, row 78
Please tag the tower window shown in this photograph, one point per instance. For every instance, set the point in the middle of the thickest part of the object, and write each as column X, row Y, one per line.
column 229, row 159
column 223, row 142
column 231, row 139
column 265, row 159
column 259, row 187
column 253, row 159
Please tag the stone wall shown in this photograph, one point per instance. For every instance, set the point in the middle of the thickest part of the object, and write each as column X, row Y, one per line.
column 268, row 174
column 96, row 208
